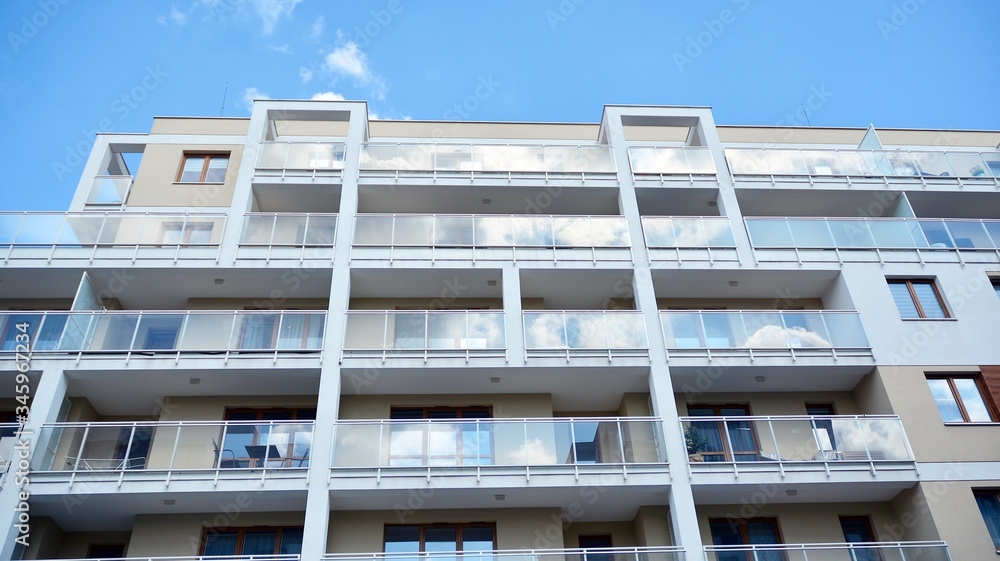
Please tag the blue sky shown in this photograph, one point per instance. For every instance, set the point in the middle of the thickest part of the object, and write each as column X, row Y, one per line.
column 71, row 67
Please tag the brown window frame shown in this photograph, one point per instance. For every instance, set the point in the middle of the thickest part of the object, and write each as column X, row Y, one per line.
column 745, row 536
column 459, row 527
column 241, row 532
column 206, row 158
column 909, row 282
column 727, row 453
column 984, row 394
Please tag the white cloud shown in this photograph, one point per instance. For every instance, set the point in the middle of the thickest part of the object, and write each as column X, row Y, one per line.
column 283, row 49
column 272, row 11
column 317, row 28
column 327, row 96
column 175, row 17
column 350, row 61
column 251, row 94
column 305, row 75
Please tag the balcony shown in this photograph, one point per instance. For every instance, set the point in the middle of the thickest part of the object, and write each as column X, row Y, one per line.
column 689, row 238
column 274, row 557
column 875, row 239
column 668, row 164
column 109, row 190
column 110, row 235
column 871, row 551
column 300, row 161
column 504, row 162
column 298, row 236
column 172, row 451
column 764, row 333
column 491, row 237
column 424, row 334
column 603, row 333
column 796, row 443
column 600, row 554
column 890, row 168
column 497, row 447
column 168, row 332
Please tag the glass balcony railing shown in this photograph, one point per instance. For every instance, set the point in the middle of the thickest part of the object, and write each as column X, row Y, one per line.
column 874, row 233
column 300, row 159
column 671, row 162
column 479, row 443
column 870, row 551
column 668, row 553
column 284, row 229
column 109, row 190
column 263, row 557
column 491, row 230
column 799, row 332
column 796, row 439
column 165, row 447
column 572, row 332
column 425, row 333
column 145, row 234
column 687, row 232
column 863, row 163
column 166, row 331
column 490, row 160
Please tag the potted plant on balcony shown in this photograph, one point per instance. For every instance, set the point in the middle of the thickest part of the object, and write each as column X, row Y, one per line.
column 695, row 442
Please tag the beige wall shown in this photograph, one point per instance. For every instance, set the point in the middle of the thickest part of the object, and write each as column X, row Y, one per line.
column 311, row 128
column 796, row 135
column 957, row 517
column 653, row 133
column 584, row 132
column 200, row 125
column 634, row 405
column 930, row 438
column 363, row 531
column 652, row 526
column 154, row 182
column 168, row 535
column 779, row 403
column 249, row 303
column 622, row 533
column 516, row 406
column 803, row 523
column 45, row 538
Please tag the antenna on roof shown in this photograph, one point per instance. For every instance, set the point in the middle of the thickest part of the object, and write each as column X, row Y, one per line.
column 224, row 92
column 805, row 113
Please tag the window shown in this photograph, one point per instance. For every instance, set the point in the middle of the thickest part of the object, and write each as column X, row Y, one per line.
column 989, row 505
column 251, row 444
column 203, row 168
column 858, row 530
column 722, row 441
column 440, row 443
column 590, row 542
column 434, row 538
column 746, row 531
column 917, row 298
column 252, row 541
column 961, row 399
column 179, row 233
column 996, row 286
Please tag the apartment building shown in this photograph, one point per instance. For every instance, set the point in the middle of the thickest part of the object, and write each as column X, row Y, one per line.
column 308, row 335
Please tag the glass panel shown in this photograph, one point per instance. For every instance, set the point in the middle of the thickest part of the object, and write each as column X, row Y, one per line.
column 357, row 445
column 255, row 331
column 885, row 439
column 682, row 330
column 47, row 337
column 932, row 163
column 903, row 164
column 257, row 230
column 810, row 233
column 207, row 332
column 453, row 158
column 380, row 157
column 477, row 539
column 192, row 169
column 586, row 331
column 495, row 231
column 891, row 234
column 659, row 231
column 968, row 165
column 413, row 230
column 446, row 331
column 526, row 159
column 158, row 332
column 272, row 155
column 39, row 229
column 822, row 162
column 321, row 231
column 289, row 230
column 366, row 331
column 968, row 234
column 453, row 231
column 769, row 233
column 402, row 539
column 854, row 164
column 408, row 330
column 851, row 233
column 904, row 301
column 440, row 539
column 113, row 332
column 993, row 227
column 217, row 169
column 420, row 157
column 972, row 399
column 300, row 331
column 442, row 444
column 989, row 506
column 806, row 330
column 486, row 331
column 579, row 231
column 764, row 330
column 748, row 162
column 719, row 232
column 260, row 542
column 291, row 541
column 689, row 232
column 786, row 162
column 406, row 444
column 373, row 230
column 723, row 330
column 532, row 231
column 597, row 159
column 625, row 331
column 81, row 230
column 699, row 160
column 544, row 331
column 846, row 330
column 220, row 544
column 8, row 227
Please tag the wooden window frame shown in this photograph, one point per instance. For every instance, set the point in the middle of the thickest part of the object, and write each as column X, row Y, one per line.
column 744, row 535
column 459, row 527
column 984, row 394
column 921, row 314
column 728, row 454
column 206, row 158
column 241, row 532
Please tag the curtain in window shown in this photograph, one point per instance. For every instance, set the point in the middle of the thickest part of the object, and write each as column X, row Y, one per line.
column 259, row 543
column 220, row 544
column 989, row 505
column 763, row 532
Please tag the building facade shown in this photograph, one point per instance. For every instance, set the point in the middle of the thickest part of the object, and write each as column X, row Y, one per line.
column 314, row 336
